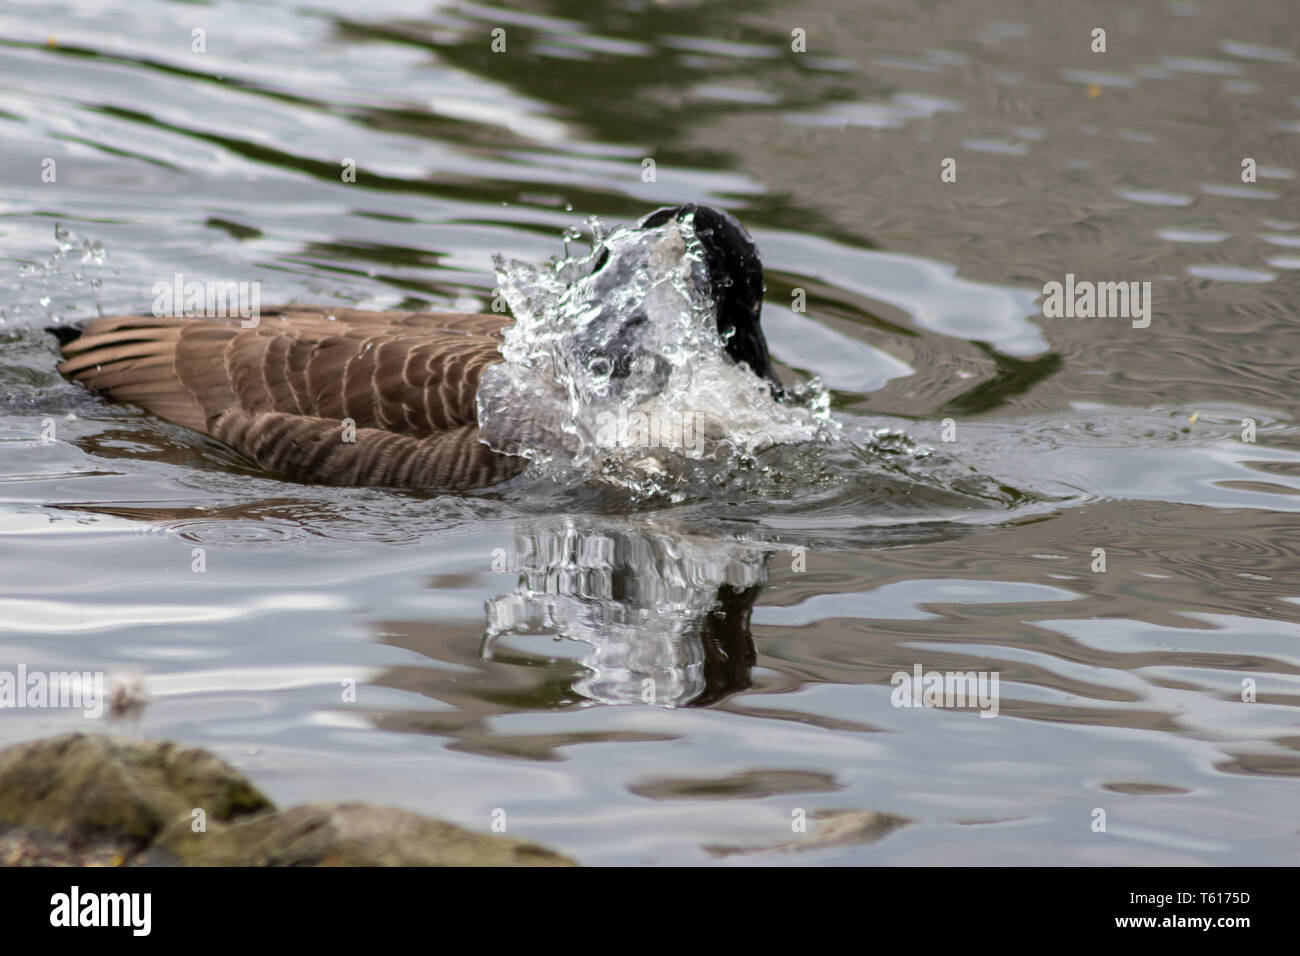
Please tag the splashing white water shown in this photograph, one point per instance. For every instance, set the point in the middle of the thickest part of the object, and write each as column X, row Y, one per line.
column 615, row 360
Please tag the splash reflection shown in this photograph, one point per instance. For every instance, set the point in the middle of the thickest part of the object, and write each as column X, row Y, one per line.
column 665, row 614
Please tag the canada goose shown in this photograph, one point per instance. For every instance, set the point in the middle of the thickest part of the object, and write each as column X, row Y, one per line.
column 279, row 393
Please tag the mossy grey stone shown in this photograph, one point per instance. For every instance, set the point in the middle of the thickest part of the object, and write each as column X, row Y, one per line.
column 86, row 798
column 349, row 834
column 92, row 788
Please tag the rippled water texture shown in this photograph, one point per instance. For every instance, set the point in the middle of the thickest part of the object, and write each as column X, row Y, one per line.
column 674, row 678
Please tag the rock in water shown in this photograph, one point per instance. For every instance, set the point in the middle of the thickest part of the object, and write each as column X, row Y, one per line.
column 96, row 790
column 89, row 798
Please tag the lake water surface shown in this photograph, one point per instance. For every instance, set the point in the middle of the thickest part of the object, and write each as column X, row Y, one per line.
column 499, row 643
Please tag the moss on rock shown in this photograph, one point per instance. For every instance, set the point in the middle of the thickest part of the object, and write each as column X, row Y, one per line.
column 90, row 788
column 84, row 798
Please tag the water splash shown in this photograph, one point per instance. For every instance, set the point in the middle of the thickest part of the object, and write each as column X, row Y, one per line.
column 52, row 286
column 615, row 367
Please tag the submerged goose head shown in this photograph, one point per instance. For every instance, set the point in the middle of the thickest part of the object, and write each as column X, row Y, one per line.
column 720, row 262
column 731, row 275
column 736, row 280
column 346, row 397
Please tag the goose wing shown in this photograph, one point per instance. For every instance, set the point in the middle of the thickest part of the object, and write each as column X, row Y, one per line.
column 282, row 393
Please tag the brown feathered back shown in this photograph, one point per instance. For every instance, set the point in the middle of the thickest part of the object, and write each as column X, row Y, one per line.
column 279, row 393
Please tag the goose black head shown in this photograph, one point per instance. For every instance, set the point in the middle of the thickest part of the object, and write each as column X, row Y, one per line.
column 736, row 276
column 731, row 272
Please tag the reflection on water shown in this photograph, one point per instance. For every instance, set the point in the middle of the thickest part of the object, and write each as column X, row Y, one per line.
column 751, row 625
column 665, row 615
